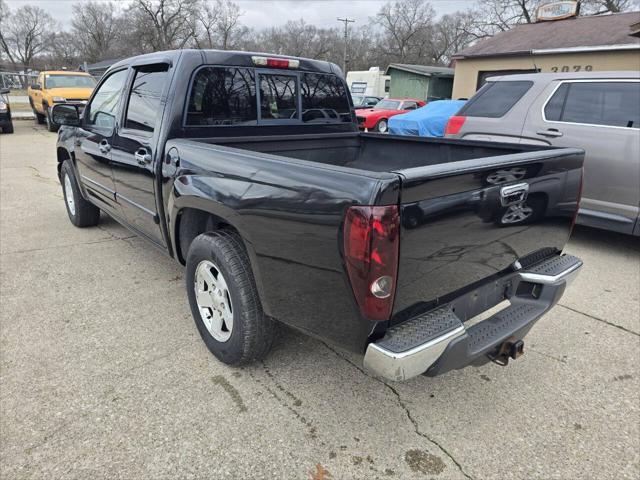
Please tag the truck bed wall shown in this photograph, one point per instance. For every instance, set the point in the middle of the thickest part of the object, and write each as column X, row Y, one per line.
column 371, row 152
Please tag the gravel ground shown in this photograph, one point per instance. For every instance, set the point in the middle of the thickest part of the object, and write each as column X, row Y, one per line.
column 103, row 374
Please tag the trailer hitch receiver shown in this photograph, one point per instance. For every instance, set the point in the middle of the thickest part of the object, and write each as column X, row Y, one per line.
column 510, row 348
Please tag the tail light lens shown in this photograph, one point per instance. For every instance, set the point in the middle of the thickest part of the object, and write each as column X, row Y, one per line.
column 371, row 243
column 454, row 125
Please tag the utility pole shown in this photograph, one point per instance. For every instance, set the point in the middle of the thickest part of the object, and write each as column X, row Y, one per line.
column 346, row 22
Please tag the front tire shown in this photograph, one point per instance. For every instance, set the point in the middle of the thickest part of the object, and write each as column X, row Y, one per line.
column 224, row 299
column 52, row 127
column 39, row 116
column 382, row 126
column 81, row 213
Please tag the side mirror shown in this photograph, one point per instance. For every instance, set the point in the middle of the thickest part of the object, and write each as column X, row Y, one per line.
column 35, row 86
column 4, row 91
column 65, row 115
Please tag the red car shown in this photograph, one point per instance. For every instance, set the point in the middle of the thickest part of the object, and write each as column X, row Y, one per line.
column 376, row 118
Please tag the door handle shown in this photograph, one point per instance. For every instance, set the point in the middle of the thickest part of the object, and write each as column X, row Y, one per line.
column 550, row 132
column 104, row 146
column 142, row 157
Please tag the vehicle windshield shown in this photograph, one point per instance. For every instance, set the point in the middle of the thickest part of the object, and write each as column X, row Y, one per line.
column 387, row 105
column 357, row 99
column 69, row 81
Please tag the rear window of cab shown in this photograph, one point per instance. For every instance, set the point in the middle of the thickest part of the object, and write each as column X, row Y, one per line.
column 495, row 99
column 244, row 96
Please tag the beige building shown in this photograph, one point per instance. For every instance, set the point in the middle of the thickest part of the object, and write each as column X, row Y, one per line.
column 594, row 43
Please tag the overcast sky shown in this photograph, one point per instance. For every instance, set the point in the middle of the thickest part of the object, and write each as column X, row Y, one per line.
column 265, row 13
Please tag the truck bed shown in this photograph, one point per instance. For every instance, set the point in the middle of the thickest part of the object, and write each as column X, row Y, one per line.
column 287, row 188
column 370, row 152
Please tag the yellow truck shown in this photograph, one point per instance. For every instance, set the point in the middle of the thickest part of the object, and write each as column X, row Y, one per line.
column 53, row 87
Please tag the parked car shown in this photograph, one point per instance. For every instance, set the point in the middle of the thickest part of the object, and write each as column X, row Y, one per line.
column 377, row 118
column 427, row 121
column 363, row 101
column 596, row 111
column 54, row 87
column 374, row 243
column 6, row 123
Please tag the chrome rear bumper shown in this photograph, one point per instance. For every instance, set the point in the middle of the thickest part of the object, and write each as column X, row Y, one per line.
column 438, row 341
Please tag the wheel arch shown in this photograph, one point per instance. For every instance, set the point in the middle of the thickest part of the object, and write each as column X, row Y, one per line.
column 62, row 154
column 192, row 216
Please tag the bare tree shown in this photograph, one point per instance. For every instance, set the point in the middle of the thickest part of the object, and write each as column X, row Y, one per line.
column 4, row 20
column 300, row 39
column 494, row 16
column 405, row 25
column 25, row 34
column 162, row 24
column 96, row 29
column 598, row 7
column 229, row 29
column 204, row 23
column 451, row 35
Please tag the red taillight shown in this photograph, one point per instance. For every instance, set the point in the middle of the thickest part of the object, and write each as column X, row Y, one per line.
column 454, row 125
column 275, row 62
column 371, row 242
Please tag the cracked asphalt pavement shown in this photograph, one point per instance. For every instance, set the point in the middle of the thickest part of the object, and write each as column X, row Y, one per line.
column 103, row 374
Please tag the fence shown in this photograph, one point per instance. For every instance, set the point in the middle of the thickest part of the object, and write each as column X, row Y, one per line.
column 16, row 81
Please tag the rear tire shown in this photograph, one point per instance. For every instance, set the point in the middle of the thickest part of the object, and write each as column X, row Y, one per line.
column 221, row 258
column 81, row 213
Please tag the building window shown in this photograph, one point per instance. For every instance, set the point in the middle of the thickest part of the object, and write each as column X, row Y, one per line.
column 484, row 74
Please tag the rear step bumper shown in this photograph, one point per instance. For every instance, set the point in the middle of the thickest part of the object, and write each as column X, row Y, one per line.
column 437, row 341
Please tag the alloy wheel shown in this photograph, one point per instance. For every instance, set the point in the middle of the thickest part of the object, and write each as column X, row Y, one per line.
column 214, row 300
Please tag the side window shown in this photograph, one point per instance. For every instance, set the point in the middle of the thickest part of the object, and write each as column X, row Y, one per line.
column 614, row 104
column 324, row 99
column 278, row 97
column 495, row 99
column 222, row 96
column 101, row 112
column 410, row 106
column 145, row 99
column 553, row 108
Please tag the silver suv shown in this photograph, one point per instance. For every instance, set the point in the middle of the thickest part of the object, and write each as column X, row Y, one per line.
column 596, row 111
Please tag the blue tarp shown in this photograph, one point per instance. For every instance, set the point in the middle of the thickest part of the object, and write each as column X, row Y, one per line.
column 428, row 121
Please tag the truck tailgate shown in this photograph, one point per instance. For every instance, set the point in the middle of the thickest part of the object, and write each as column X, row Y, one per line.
column 464, row 222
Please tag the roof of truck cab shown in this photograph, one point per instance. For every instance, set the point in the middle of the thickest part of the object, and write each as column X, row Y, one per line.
column 227, row 57
column 548, row 77
column 64, row 72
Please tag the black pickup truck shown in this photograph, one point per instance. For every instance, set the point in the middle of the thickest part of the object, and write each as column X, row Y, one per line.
column 250, row 170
